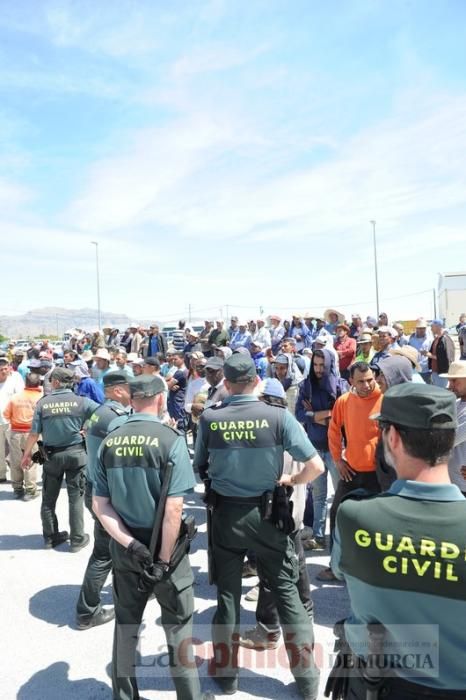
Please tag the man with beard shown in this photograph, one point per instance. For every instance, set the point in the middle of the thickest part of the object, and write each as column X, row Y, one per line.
column 317, row 396
column 401, row 555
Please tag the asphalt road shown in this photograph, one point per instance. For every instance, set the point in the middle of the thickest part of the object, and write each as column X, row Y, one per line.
column 45, row 657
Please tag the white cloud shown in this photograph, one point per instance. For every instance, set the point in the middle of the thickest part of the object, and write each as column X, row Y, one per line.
column 214, row 58
column 200, row 176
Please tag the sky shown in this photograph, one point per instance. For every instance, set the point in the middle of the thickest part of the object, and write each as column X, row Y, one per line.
column 229, row 156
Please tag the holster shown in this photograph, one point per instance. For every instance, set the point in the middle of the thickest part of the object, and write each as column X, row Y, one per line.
column 282, row 509
column 41, row 455
column 188, row 531
column 267, row 505
column 337, row 682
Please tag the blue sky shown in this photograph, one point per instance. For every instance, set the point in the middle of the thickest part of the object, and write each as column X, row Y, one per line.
column 231, row 153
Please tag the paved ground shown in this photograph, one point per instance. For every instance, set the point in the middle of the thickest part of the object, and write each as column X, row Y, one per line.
column 46, row 658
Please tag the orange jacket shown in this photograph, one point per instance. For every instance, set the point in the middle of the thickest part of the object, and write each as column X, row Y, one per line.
column 20, row 409
column 350, row 418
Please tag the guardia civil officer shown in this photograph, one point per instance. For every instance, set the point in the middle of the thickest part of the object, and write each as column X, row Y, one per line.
column 402, row 556
column 242, row 442
column 130, row 471
column 60, row 417
column 115, row 410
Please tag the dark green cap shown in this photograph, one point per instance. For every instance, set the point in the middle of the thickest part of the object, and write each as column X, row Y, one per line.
column 239, row 369
column 63, row 375
column 418, row 406
column 114, row 378
column 145, row 386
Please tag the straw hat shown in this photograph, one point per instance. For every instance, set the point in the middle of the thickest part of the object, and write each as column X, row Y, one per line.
column 457, row 370
column 409, row 352
column 341, row 317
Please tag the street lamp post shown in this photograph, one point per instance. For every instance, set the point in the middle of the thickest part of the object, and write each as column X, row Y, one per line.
column 375, row 268
column 98, row 282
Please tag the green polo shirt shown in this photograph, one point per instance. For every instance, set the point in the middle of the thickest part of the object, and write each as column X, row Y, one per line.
column 243, row 441
column 130, row 468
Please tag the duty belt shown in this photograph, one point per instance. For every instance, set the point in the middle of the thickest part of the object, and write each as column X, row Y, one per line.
column 53, row 450
column 240, row 500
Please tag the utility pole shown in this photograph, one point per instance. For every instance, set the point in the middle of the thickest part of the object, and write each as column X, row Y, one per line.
column 189, row 313
column 375, row 268
column 435, row 302
column 99, row 317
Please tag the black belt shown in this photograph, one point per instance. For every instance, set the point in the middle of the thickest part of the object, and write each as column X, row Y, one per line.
column 244, row 501
column 52, row 450
column 396, row 683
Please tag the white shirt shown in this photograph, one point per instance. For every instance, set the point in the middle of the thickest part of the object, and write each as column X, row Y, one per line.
column 194, row 387
column 13, row 384
column 458, row 456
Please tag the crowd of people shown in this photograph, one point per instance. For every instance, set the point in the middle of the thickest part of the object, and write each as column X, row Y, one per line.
column 296, row 398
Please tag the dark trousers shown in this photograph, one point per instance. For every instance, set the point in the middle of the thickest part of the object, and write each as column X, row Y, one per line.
column 70, row 464
column 361, row 480
column 357, row 690
column 98, row 567
column 266, row 611
column 235, row 529
column 175, row 597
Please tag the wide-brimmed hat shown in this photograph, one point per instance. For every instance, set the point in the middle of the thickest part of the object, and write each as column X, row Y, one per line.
column 457, row 370
column 87, row 355
column 409, row 352
column 103, row 354
column 364, row 338
column 341, row 317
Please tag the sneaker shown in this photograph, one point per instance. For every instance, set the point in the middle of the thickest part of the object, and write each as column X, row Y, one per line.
column 253, row 594
column 248, row 570
column 306, row 533
column 314, row 543
column 76, row 546
column 327, row 575
column 257, row 638
column 104, row 615
column 56, row 539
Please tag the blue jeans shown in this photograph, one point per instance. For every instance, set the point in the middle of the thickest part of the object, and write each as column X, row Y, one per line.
column 315, row 515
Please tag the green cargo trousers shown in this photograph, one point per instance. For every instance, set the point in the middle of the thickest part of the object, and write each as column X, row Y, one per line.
column 175, row 597
column 98, row 567
column 69, row 463
column 235, row 529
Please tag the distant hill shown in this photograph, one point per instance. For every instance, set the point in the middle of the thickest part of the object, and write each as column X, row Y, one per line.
column 55, row 321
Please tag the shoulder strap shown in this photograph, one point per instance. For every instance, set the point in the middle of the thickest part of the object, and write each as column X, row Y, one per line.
column 154, row 544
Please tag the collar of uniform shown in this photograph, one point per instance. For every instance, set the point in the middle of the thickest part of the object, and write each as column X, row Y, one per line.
column 143, row 416
column 62, row 391
column 239, row 398
column 425, row 492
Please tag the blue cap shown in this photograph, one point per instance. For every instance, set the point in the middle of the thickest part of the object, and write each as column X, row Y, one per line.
column 437, row 322
column 273, row 387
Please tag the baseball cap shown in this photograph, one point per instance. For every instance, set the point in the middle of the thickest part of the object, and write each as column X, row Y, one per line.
column 418, row 406
column 437, row 322
column 281, row 359
column 146, row 386
column 214, row 363
column 239, row 369
column 62, row 374
column 272, row 387
column 115, row 378
column 152, row 361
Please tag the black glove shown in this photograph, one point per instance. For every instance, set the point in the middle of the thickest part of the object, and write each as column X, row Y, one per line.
column 139, row 554
column 152, row 575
